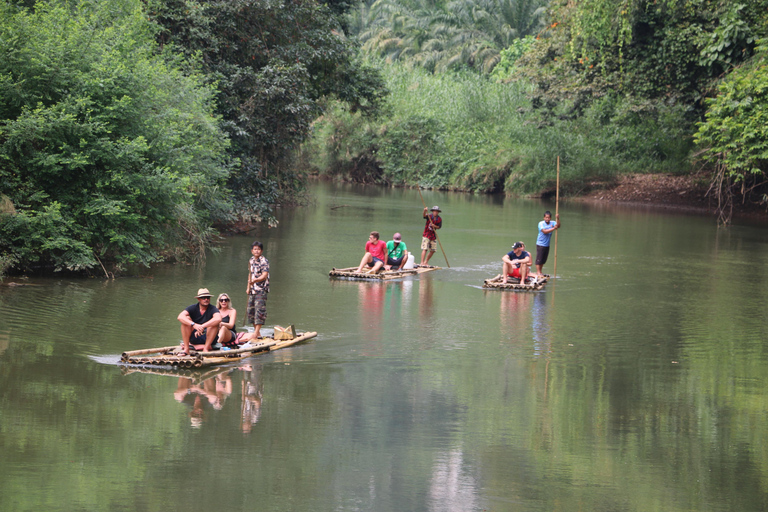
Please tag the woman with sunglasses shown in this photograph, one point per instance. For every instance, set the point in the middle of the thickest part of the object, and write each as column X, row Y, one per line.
column 227, row 335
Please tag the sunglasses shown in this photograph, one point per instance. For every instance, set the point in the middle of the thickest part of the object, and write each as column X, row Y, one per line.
column 223, row 300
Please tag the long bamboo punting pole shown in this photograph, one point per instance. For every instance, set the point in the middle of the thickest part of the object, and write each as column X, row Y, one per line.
column 557, row 212
column 436, row 235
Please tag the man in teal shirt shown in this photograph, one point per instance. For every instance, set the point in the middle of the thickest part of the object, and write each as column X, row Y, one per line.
column 397, row 254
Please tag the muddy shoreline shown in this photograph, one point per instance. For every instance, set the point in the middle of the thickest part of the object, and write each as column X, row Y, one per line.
column 689, row 193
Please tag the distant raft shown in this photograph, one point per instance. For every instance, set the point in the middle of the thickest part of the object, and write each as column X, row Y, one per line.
column 171, row 356
column 351, row 272
column 514, row 284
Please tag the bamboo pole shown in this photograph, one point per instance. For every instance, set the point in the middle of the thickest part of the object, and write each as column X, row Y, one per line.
column 557, row 212
column 436, row 235
column 147, row 351
column 234, row 351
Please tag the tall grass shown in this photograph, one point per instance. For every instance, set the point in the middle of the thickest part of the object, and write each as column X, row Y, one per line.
column 461, row 130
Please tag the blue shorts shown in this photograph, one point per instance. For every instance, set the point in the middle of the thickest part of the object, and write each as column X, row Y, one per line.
column 375, row 260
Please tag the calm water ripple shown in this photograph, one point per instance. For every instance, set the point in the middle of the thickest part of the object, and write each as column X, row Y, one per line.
column 636, row 380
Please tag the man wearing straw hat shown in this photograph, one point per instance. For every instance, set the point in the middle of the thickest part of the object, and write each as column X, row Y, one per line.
column 429, row 238
column 200, row 322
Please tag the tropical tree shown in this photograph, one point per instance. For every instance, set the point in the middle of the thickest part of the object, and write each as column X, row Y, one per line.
column 109, row 154
column 445, row 35
column 273, row 64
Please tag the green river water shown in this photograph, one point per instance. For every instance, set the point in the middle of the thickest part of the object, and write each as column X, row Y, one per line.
column 635, row 381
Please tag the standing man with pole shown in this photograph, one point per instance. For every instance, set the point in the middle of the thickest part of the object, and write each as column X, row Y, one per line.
column 429, row 237
column 546, row 228
column 258, row 287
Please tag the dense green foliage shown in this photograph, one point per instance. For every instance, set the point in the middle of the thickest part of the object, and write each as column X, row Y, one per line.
column 273, row 63
column 464, row 131
column 108, row 152
column 735, row 132
column 662, row 53
column 443, row 35
column 624, row 82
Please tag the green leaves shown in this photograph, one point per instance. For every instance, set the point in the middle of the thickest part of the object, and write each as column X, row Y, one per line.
column 274, row 64
column 101, row 138
column 735, row 131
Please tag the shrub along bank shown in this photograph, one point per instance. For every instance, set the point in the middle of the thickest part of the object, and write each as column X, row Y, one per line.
column 467, row 132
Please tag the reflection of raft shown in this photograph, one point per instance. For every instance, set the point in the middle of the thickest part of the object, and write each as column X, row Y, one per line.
column 167, row 356
column 383, row 274
column 514, row 284
column 197, row 375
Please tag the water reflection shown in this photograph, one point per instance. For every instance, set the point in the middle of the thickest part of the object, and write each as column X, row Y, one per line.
column 203, row 396
column 451, row 486
column 252, row 391
column 515, row 312
column 541, row 325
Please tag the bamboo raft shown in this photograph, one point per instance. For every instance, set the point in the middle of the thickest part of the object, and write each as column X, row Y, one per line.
column 385, row 275
column 170, row 356
column 514, row 284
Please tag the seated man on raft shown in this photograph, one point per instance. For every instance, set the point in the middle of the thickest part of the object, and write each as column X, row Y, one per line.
column 397, row 253
column 200, row 322
column 516, row 263
column 375, row 253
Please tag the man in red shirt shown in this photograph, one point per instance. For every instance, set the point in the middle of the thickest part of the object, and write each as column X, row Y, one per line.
column 375, row 253
column 429, row 238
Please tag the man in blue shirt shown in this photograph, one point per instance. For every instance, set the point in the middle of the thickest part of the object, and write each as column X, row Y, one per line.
column 546, row 228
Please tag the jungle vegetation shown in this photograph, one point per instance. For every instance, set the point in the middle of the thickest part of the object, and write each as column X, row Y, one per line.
column 128, row 128
column 610, row 87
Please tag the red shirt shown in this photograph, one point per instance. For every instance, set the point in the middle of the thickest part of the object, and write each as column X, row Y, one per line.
column 428, row 231
column 377, row 249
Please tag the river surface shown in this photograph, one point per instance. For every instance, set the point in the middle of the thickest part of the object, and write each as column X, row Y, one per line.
column 635, row 381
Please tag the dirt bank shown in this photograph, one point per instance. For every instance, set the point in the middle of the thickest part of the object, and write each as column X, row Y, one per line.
column 667, row 191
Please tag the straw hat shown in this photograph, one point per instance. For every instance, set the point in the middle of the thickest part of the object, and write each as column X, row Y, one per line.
column 203, row 292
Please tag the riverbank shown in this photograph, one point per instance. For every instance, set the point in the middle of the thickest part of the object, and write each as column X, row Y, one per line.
column 668, row 191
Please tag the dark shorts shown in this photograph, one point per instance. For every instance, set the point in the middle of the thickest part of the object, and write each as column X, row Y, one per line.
column 395, row 262
column 200, row 340
column 257, row 308
column 232, row 340
column 542, row 253
column 375, row 260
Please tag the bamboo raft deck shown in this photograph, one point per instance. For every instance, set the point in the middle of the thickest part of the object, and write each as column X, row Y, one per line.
column 169, row 356
column 514, row 284
column 385, row 275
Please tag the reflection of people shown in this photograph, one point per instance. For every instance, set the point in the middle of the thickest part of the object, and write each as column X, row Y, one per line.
column 397, row 253
column 252, row 392
column 214, row 390
column 515, row 263
column 546, row 228
column 258, row 288
column 375, row 253
column 227, row 334
column 429, row 238
column 199, row 322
